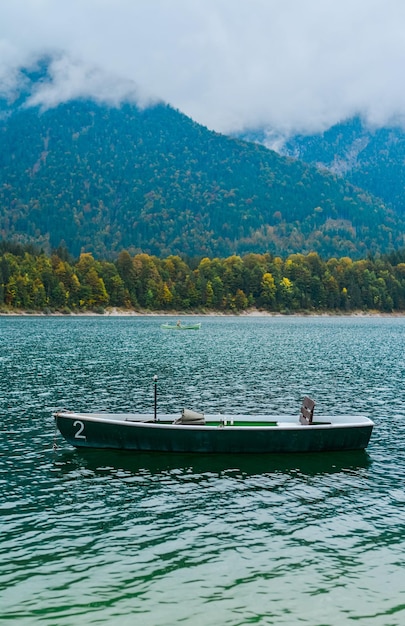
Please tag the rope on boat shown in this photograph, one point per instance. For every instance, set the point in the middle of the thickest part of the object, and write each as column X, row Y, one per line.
column 55, row 432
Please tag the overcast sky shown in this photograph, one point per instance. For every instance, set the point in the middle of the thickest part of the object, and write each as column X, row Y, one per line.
column 295, row 65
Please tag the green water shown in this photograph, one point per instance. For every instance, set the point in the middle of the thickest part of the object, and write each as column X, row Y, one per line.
column 158, row 540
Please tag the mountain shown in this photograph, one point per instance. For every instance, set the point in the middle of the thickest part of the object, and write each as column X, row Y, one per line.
column 100, row 179
column 368, row 157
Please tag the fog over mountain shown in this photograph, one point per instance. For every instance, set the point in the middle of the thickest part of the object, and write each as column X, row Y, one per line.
column 294, row 66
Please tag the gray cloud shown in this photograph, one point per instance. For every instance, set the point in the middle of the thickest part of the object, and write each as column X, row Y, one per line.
column 297, row 65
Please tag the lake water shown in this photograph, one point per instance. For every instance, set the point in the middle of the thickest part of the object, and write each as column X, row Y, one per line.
column 158, row 540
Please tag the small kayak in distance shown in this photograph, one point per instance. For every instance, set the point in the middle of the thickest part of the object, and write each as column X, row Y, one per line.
column 180, row 326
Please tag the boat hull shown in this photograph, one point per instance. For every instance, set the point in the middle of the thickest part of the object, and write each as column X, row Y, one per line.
column 181, row 327
column 134, row 433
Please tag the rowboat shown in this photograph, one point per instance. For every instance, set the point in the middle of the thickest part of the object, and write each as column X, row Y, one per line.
column 180, row 326
column 191, row 431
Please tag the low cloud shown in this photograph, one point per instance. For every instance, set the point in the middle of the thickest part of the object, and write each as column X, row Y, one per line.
column 70, row 79
column 289, row 65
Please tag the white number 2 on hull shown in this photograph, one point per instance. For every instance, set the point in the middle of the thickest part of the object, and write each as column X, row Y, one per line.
column 80, row 429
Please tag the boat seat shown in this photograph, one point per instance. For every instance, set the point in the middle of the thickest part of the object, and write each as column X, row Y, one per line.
column 190, row 418
column 307, row 410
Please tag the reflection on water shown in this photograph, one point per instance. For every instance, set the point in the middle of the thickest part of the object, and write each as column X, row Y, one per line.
column 104, row 537
column 156, row 464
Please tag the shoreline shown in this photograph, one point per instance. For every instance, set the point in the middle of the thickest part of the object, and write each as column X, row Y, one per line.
column 116, row 312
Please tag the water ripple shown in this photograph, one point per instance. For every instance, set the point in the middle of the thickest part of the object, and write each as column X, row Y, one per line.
column 98, row 537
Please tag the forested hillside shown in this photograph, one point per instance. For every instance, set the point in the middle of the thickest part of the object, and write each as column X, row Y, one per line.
column 33, row 281
column 100, row 179
column 371, row 158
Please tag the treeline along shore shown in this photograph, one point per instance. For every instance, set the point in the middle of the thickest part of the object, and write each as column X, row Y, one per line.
column 33, row 281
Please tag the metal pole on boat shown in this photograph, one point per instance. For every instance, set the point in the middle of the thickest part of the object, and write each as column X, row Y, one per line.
column 155, row 385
